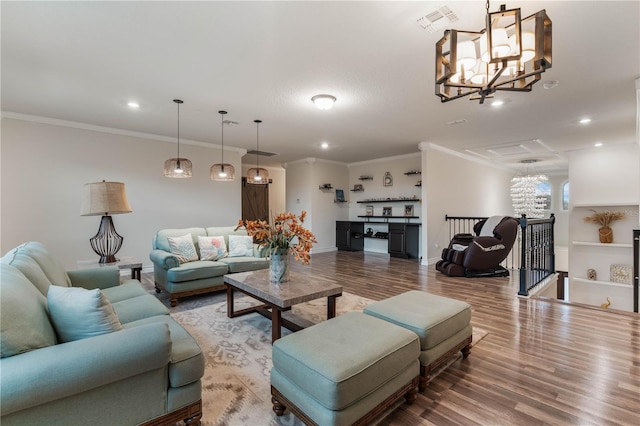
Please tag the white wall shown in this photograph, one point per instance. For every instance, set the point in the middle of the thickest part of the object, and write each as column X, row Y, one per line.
column 456, row 186
column 561, row 227
column 44, row 168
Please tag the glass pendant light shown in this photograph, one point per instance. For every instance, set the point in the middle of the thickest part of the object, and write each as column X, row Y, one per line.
column 178, row 167
column 222, row 171
column 257, row 174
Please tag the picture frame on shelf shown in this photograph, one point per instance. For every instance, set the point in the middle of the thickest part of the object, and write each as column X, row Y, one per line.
column 386, row 211
column 358, row 187
column 340, row 195
column 369, row 211
column 408, row 209
column 621, row 274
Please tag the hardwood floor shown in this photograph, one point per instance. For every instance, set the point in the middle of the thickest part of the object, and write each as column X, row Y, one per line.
column 542, row 362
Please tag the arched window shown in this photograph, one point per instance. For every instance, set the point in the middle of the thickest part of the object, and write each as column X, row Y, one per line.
column 565, row 196
column 543, row 190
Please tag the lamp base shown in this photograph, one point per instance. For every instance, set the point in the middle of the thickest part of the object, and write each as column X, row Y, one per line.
column 107, row 241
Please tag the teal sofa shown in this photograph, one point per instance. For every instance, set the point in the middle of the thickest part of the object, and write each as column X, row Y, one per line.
column 147, row 372
column 199, row 276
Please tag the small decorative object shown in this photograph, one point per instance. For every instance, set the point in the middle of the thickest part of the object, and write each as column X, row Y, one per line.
column 604, row 219
column 369, row 231
column 606, row 304
column 592, row 275
column 326, row 186
column 621, row 274
column 358, row 187
column 277, row 237
column 340, row 196
column 369, row 211
column 408, row 210
column 387, row 179
column 386, row 211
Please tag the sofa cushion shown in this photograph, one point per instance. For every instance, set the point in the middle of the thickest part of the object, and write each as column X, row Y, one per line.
column 197, row 270
column 161, row 239
column 212, row 248
column 124, row 291
column 30, row 268
column 240, row 245
column 24, row 323
column 187, row 361
column 183, row 248
column 244, row 264
column 139, row 307
column 53, row 269
column 78, row 313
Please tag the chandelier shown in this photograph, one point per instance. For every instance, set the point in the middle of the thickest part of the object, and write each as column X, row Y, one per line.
column 509, row 54
column 526, row 197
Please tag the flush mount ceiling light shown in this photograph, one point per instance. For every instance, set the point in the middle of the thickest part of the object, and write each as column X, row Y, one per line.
column 509, row 54
column 257, row 174
column 323, row 102
column 222, row 171
column 178, row 167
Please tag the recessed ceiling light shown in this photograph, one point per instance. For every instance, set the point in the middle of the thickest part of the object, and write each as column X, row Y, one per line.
column 133, row 105
column 597, row 144
column 324, row 145
column 497, row 103
column 585, row 121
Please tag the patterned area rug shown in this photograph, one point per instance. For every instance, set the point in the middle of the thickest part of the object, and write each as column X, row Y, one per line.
column 236, row 387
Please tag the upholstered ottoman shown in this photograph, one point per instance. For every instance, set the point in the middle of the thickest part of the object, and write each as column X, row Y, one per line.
column 442, row 324
column 347, row 370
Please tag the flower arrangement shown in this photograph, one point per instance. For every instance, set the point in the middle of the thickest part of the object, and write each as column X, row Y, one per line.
column 278, row 235
column 604, row 219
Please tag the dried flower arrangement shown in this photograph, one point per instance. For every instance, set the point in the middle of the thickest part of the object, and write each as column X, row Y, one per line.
column 604, row 219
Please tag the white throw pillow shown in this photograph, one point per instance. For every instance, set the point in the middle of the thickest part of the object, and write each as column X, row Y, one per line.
column 240, row 245
column 183, row 248
column 212, row 248
column 78, row 313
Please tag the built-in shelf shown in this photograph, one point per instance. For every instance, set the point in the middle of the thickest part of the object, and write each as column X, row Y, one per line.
column 391, row 200
column 413, row 172
column 631, row 203
column 366, row 178
column 595, row 244
column 608, row 283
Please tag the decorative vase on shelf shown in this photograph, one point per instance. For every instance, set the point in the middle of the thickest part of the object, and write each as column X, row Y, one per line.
column 606, row 234
column 279, row 266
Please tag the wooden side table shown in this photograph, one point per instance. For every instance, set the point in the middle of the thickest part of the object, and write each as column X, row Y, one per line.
column 123, row 263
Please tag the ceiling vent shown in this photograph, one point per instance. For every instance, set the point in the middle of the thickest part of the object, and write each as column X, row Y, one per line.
column 437, row 20
column 263, row 153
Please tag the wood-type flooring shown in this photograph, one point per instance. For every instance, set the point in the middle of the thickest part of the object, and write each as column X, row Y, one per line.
column 543, row 361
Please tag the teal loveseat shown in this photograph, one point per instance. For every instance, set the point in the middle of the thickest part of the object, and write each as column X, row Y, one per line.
column 147, row 372
column 198, row 276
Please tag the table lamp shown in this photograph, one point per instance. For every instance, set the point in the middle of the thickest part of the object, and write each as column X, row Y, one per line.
column 105, row 198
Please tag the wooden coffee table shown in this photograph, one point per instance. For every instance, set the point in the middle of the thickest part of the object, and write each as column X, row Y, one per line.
column 278, row 298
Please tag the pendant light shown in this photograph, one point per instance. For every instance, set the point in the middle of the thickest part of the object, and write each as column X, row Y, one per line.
column 222, row 171
column 257, row 174
column 178, row 167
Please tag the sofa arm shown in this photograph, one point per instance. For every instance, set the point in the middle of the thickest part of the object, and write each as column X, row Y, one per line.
column 164, row 259
column 103, row 277
column 59, row 371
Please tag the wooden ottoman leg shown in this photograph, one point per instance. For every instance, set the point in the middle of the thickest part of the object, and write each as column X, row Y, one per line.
column 466, row 351
column 424, row 377
column 410, row 396
column 278, row 407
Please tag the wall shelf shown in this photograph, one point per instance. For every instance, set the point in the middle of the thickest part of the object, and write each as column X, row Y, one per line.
column 391, row 200
column 413, row 172
column 595, row 244
column 357, row 190
column 365, row 178
column 607, row 283
column 326, row 187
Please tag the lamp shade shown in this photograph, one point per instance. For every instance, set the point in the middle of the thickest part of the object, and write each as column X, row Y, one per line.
column 178, row 168
column 222, row 172
column 257, row 175
column 104, row 198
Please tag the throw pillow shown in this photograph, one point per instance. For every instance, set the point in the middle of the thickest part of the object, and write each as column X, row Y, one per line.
column 183, row 248
column 212, row 248
column 240, row 245
column 78, row 313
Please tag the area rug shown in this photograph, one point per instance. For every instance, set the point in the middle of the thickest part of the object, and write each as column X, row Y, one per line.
column 236, row 388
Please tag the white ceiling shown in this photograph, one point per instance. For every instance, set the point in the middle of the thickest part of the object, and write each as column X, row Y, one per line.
column 83, row 61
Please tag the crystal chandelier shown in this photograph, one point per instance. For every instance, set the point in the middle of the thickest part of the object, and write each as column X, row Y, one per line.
column 509, row 54
column 525, row 196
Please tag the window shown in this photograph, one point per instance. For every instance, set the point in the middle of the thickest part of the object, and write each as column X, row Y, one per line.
column 544, row 190
column 565, row 196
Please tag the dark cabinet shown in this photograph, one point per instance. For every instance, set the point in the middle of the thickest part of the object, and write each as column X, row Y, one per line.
column 404, row 240
column 349, row 235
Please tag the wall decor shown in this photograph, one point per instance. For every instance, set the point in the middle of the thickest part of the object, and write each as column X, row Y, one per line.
column 387, row 179
column 604, row 219
column 591, row 274
column 358, row 187
column 408, row 209
column 369, row 211
column 621, row 274
column 386, row 211
column 340, row 195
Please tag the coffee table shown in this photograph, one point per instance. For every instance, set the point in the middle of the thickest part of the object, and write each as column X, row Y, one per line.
column 278, row 298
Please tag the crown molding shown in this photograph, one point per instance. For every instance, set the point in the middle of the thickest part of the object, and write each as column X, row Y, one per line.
column 382, row 160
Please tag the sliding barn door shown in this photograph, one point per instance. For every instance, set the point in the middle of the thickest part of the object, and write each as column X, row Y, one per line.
column 255, row 201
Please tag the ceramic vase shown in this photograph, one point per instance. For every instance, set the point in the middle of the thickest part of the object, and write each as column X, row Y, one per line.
column 279, row 266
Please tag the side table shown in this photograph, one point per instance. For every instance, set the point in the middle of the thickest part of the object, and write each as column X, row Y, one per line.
column 123, row 263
